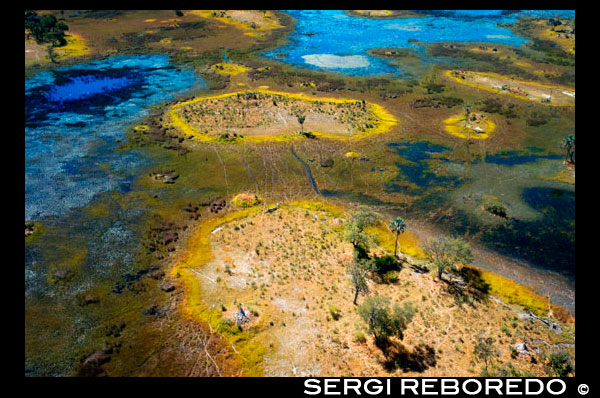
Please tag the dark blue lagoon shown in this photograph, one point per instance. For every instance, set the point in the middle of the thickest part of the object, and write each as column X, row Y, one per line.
column 332, row 40
column 75, row 118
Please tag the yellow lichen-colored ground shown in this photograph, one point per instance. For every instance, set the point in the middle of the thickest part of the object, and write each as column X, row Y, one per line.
column 567, row 176
column 229, row 69
column 76, row 47
column 531, row 91
column 246, row 200
column 381, row 121
column 272, row 264
column 141, row 127
column 479, row 129
column 252, row 20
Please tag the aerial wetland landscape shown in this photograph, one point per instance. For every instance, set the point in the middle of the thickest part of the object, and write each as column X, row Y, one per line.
column 299, row 193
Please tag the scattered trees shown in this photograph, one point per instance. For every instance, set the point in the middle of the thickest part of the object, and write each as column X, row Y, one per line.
column 46, row 29
column 383, row 322
column 554, row 22
column 398, row 226
column 569, row 146
column 446, row 253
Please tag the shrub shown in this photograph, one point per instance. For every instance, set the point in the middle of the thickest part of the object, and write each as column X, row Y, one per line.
column 385, row 264
column 390, row 277
column 359, row 337
column 495, row 209
column 335, row 312
column 537, row 118
column 560, row 363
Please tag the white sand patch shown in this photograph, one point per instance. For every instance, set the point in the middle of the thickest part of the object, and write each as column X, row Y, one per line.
column 337, row 61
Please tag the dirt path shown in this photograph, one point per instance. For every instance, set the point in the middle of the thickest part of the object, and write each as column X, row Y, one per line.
column 311, row 179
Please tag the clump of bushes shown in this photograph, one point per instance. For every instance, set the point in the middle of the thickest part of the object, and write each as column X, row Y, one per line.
column 560, row 364
column 494, row 105
column 246, row 200
column 493, row 206
column 385, row 264
column 537, row 118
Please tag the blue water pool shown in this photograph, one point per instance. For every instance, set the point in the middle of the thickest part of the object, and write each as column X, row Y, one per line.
column 331, row 40
column 74, row 120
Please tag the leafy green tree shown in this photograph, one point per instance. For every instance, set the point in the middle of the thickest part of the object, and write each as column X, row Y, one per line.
column 398, row 226
column 446, row 253
column 383, row 322
column 569, row 145
column 554, row 22
column 46, row 29
column 354, row 231
column 485, row 351
column 358, row 274
column 179, row 13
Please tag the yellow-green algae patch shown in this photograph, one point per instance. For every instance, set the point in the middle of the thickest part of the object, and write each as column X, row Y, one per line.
column 458, row 127
column 224, row 68
column 385, row 120
column 75, row 47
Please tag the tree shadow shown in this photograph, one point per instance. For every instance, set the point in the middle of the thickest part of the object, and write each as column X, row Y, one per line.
column 467, row 286
column 397, row 356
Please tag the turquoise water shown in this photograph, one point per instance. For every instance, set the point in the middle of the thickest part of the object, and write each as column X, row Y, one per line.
column 331, row 40
column 75, row 118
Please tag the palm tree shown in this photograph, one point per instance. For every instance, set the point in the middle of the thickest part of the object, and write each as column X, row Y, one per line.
column 569, row 145
column 398, row 226
column 301, row 118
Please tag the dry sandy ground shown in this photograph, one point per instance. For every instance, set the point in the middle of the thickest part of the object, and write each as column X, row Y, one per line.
column 263, row 117
column 288, row 269
column 534, row 92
